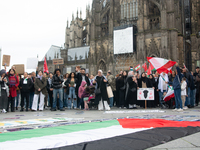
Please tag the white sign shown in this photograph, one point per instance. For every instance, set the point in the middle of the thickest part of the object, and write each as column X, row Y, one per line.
column 32, row 63
column 145, row 94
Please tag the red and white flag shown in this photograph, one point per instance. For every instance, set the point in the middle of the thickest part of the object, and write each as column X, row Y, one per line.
column 150, row 69
column 145, row 67
column 137, row 67
column 169, row 95
column 161, row 64
column 45, row 66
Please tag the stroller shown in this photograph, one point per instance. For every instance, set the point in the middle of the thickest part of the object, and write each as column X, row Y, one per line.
column 163, row 105
column 92, row 103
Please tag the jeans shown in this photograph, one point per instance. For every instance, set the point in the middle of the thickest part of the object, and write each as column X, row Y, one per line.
column 192, row 97
column 17, row 100
column 72, row 94
column 55, row 92
column 161, row 94
column 31, row 99
column 81, row 103
column 111, row 101
column 23, row 97
column 178, row 100
column 187, row 102
column 66, row 102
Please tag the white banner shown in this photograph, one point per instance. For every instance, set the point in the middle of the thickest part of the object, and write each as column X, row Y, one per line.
column 31, row 63
column 145, row 94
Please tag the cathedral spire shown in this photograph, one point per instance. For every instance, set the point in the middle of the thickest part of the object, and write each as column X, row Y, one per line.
column 80, row 14
column 72, row 16
column 77, row 13
column 67, row 22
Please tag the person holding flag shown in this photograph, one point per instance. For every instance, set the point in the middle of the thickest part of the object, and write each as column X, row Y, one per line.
column 162, row 86
column 177, row 89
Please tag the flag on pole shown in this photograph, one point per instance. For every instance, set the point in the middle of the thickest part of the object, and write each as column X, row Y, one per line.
column 150, row 69
column 137, row 67
column 45, row 66
column 161, row 64
column 169, row 95
column 145, row 67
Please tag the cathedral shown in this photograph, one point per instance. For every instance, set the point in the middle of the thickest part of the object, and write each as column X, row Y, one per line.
column 163, row 28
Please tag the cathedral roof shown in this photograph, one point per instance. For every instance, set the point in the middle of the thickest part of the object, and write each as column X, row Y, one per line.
column 79, row 53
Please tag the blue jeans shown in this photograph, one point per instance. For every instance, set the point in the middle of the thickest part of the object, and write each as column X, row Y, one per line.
column 187, row 102
column 111, row 101
column 66, row 103
column 17, row 100
column 72, row 94
column 192, row 97
column 161, row 94
column 55, row 92
column 81, row 103
column 31, row 99
column 178, row 101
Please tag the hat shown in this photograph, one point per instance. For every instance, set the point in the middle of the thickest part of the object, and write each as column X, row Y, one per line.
column 2, row 72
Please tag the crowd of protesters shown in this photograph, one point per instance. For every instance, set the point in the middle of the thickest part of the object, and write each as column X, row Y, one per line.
column 77, row 90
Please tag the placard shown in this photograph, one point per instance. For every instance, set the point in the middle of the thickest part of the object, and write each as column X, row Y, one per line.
column 145, row 94
column 19, row 69
column 31, row 63
column 6, row 60
column 58, row 61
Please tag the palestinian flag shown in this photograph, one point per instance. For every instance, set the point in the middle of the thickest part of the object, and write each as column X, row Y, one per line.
column 161, row 64
column 118, row 134
column 138, row 67
column 169, row 95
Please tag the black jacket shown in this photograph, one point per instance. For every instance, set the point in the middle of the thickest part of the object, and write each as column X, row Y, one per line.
column 32, row 87
column 79, row 80
column 25, row 88
column 148, row 83
column 57, row 81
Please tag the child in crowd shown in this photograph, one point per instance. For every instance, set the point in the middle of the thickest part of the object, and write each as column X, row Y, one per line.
column 81, row 90
column 85, row 97
column 184, row 92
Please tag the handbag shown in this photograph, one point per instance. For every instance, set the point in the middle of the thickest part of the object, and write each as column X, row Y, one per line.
column 109, row 91
column 98, row 91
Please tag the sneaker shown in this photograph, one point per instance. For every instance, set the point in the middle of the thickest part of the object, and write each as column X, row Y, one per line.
column 53, row 109
column 62, row 109
column 185, row 108
column 180, row 110
column 175, row 109
column 4, row 111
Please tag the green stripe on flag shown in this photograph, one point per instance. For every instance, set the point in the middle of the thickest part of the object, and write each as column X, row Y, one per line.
column 18, row 135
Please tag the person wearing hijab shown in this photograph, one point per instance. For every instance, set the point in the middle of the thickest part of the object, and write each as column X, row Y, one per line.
column 144, row 82
column 101, row 83
column 122, row 89
column 131, row 92
column 162, row 86
column 4, row 91
column 151, row 104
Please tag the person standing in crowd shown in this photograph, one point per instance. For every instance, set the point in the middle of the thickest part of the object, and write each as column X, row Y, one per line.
column 131, row 92
column 102, row 96
column 18, row 95
column 198, row 88
column 162, row 86
column 117, row 89
column 40, row 90
column 81, row 89
column 151, row 104
column 91, row 79
column 14, row 83
column 50, row 89
column 25, row 86
column 144, row 82
column 32, row 90
column 65, row 90
column 157, row 100
column 195, row 91
column 71, row 83
column 112, row 83
column 85, row 97
column 81, row 77
column 57, row 89
column 122, row 89
column 177, row 89
column 4, row 91
column 46, row 94
column 172, row 76
column 184, row 92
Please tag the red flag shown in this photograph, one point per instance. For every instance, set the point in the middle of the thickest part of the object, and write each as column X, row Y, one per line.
column 150, row 68
column 45, row 66
column 145, row 67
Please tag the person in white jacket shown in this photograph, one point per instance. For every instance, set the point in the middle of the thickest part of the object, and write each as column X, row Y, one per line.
column 162, row 86
column 184, row 92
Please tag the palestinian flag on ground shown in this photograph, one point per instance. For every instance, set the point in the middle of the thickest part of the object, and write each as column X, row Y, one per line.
column 118, row 134
column 161, row 64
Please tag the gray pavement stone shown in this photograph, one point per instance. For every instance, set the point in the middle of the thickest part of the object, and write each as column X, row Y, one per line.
column 193, row 139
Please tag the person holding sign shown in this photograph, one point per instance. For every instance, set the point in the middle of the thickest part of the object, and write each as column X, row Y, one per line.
column 4, row 91
column 144, row 82
column 14, row 83
column 25, row 86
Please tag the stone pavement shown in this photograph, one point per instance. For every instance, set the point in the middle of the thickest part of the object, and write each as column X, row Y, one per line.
column 46, row 118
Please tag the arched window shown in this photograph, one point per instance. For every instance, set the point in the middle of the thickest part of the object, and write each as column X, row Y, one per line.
column 102, row 66
column 105, row 25
column 154, row 16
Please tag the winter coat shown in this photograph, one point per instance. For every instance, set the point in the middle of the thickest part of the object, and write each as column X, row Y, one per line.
column 57, row 81
column 103, row 87
column 13, row 89
column 79, row 81
column 85, row 94
column 81, row 89
column 40, row 84
column 112, row 82
column 32, row 87
column 25, row 88
column 177, row 80
column 131, row 94
column 148, row 83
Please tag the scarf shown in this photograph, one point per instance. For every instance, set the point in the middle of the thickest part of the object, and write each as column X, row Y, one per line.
column 40, row 77
column 12, row 80
column 50, row 81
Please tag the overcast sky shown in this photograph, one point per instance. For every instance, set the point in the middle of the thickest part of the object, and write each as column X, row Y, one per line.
column 29, row 27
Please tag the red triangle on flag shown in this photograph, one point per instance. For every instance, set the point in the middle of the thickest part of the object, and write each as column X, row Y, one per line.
column 145, row 67
column 45, row 66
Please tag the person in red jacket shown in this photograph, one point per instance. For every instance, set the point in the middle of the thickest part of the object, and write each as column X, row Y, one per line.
column 14, row 83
